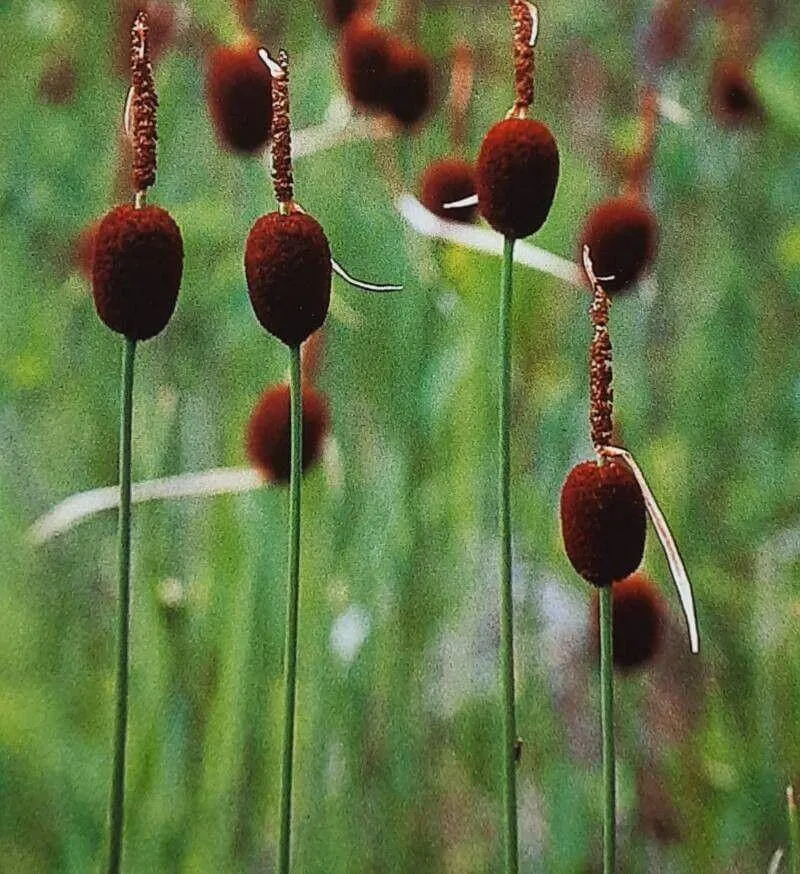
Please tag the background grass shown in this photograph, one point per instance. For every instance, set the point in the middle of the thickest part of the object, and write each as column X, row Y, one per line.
column 397, row 766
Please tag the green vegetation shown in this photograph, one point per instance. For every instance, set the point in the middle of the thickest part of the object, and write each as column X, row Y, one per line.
column 399, row 707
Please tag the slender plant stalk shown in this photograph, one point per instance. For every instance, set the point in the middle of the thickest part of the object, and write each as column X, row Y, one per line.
column 506, row 603
column 794, row 834
column 116, row 806
column 607, row 724
column 290, row 646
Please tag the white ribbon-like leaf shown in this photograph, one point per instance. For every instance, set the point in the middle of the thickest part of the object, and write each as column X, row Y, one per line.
column 674, row 559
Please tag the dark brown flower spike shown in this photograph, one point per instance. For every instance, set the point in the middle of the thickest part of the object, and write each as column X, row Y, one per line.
column 601, row 394
column 143, row 103
column 267, row 437
column 239, row 96
column 638, row 621
column 525, row 18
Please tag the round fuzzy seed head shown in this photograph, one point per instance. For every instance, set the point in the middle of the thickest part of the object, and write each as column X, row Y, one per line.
column 268, row 433
column 239, row 95
column 364, row 62
column 622, row 236
column 516, row 174
column 638, row 621
column 603, row 521
column 287, row 262
column 136, row 270
column 732, row 97
column 409, row 83
column 446, row 181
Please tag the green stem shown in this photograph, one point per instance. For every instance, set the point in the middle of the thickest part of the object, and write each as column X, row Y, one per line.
column 506, row 603
column 290, row 646
column 116, row 806
column 607, row 723
column 794, row 834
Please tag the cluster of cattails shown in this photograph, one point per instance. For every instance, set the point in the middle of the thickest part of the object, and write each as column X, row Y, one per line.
column 384, row 74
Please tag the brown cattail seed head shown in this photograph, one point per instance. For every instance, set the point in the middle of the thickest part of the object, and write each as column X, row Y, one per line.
column 732, row 97
column 638, row 621
column 239, row 96
column 339, row 12
column 363, row 61
column 622, row 236
column 603, row 521
column 516, row 175
column 287, row 263
column 268, row 434
column 409, row 83
column 446, row 181
column 136, row 270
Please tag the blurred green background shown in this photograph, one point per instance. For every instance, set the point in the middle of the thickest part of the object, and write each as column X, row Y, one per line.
column 397, row 756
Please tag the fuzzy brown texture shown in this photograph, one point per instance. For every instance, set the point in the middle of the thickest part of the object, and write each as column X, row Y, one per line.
column 363, row 62
column 603, row 521
column 622, row 236
column 446, row 181
column 268, row 432
column 339, row 12
column 408, row 90
column 638, row 618
column 239, row 96
column 732, row 98
column 287, row 263
column 282, row 179
column 601, row 393
column 516, row 176
column 143, row 107
column 136, row 270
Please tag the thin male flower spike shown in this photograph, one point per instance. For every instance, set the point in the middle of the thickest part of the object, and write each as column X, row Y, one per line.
column 525, row 18
column 141, row 119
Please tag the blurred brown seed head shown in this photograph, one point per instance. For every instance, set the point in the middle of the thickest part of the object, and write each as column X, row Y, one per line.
column 363, row 62
column 136, row 270
column 622, row 236
column 603, row 521
column 339, row 12
column 288, row 268
column 83, row 249
column 58, row 81
column 733, row 100
column 667, row 33
column 268, row 432
column 409, row 83
column 239, row 97
column 446, row 181
column 516, row 175
column 639, row 614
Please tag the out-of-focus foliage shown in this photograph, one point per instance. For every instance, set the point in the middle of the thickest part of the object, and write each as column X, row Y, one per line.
column 397, row 758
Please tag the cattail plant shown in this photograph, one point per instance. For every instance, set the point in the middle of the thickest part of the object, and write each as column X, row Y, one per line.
column 516, row 174
column 622, row 232
column 238, row 94
column 288, row 267
column 604, row 506
column 639, row 615
column 136, row 273
column 384, row 74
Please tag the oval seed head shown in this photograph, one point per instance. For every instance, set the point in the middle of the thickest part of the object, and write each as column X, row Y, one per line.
column 603, row 521
column 287, row 262
column 409, row 83
column 516, row 175
column 239, row 96
column 638, row 620
column 732, row 97
column 136, row 270
column 447, row 181
column 364, row 62
column 622, row 236
column 268, row 432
